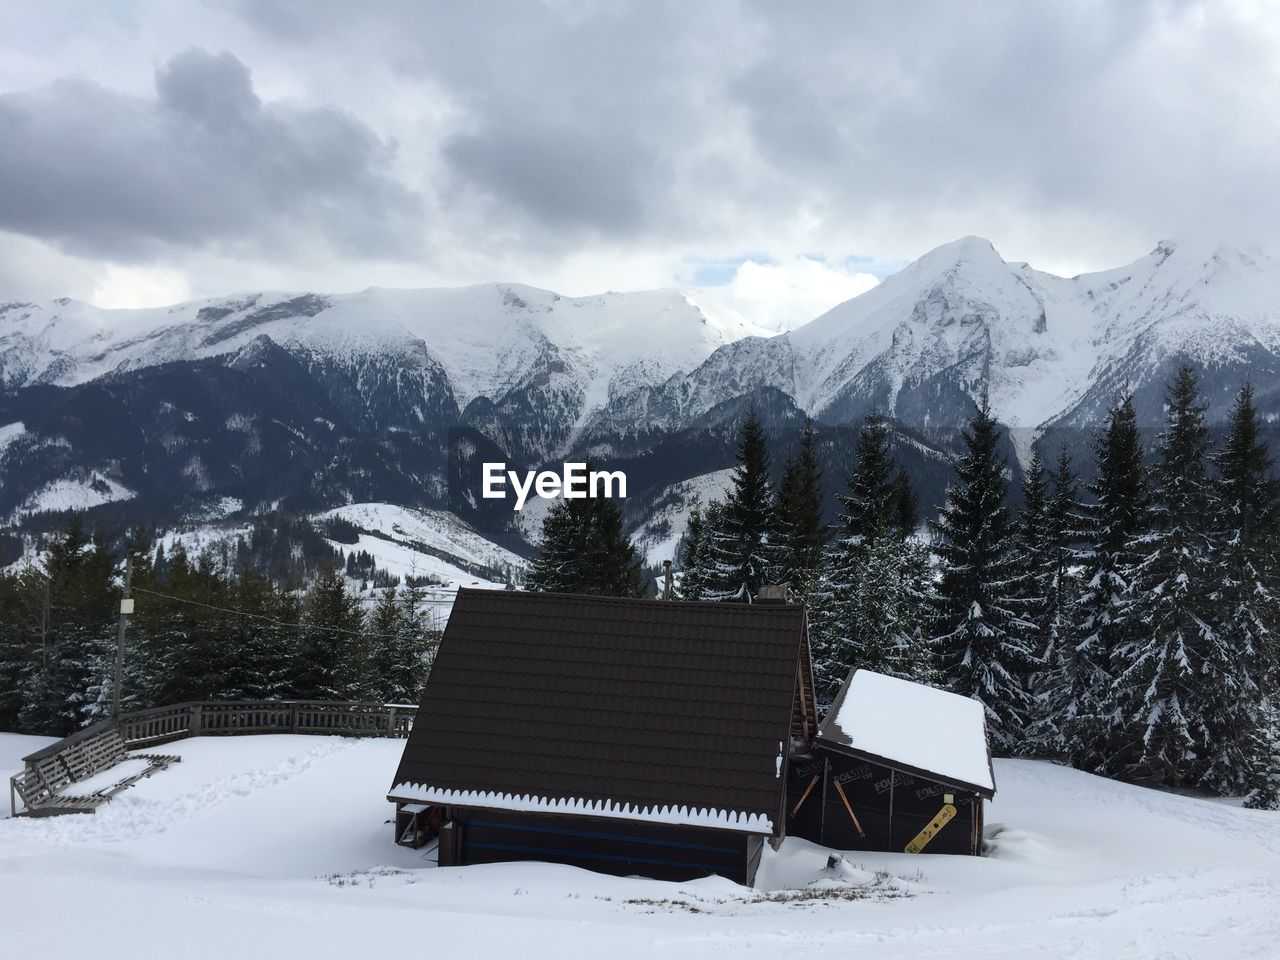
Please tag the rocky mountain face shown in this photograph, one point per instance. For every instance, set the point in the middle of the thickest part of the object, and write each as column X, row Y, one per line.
column 305, row 402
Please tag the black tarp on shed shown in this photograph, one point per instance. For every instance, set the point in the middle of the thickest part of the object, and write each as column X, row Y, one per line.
column 883, row 769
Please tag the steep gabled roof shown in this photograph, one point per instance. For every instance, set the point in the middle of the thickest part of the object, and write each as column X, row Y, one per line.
column 911, row 727
column 638, row 709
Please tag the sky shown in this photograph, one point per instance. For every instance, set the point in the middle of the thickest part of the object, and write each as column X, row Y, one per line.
column 784, row 155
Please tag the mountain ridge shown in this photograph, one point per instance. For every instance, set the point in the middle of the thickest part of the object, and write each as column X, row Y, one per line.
column 315, row 400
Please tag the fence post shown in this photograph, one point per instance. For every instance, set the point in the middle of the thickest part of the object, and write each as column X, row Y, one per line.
column 293, row 717
column 193, row 725
column 391, row 722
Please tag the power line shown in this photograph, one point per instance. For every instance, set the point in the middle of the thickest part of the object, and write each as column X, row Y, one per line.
column 264, row 617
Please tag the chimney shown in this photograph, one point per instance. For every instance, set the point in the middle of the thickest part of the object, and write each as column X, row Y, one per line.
column 773, row 593
column 667, row 593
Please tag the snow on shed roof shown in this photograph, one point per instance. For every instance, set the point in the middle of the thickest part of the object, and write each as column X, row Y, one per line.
column 913, row 727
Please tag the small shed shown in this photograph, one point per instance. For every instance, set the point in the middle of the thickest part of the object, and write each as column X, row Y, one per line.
column 895, row 766
column 625, row 736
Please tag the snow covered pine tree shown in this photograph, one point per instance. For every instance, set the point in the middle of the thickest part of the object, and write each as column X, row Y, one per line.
column 868, row 608
column 800, row 531
column 979, row 629
column 584, row 550
column 1060, row 686
column 1094, row 736
column 742, row 550
column 1172, row 669
column 1243, row 751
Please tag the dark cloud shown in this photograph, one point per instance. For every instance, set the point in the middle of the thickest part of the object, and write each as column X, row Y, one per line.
column 205, row 163
column 563, row 176
column 215, row 91
column 475, row 137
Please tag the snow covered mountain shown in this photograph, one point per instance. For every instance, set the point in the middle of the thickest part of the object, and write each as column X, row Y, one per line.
column 309, row 401
column 488, row 341
column 960, row 319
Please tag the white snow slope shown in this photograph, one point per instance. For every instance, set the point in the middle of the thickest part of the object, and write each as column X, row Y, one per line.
column 277, row 846
column 404, row 528
column 658, row 537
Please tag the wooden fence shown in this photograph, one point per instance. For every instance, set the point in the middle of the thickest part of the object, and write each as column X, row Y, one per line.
column 144, row 728
column 235, row 718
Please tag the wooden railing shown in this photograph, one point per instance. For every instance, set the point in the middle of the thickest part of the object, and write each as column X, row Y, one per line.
column 235, row 718
column 144, row 728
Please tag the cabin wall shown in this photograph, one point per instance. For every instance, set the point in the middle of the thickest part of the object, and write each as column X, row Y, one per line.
column 619, row 847
column 885, row 810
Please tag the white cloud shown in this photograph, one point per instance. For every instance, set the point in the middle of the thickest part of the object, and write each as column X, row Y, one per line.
column 140, row 287
column 782, row 296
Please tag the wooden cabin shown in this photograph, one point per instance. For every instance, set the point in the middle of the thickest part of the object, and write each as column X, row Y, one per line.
column 895, row 766
column 624, row 736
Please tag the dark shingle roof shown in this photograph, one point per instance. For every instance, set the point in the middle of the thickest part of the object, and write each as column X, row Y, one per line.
column 639, row 702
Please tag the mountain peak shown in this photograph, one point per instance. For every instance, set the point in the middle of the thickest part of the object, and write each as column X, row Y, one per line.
column 973, row 258
column 964, row 248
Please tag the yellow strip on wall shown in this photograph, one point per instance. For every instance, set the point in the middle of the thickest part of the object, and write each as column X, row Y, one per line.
column 944, row 816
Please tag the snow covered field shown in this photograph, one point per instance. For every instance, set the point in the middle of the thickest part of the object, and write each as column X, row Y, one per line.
column 277, row 845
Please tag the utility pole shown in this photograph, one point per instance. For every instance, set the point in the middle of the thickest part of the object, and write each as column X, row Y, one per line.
column 126, row 608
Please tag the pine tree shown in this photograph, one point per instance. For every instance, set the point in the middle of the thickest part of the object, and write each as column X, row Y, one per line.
column 1172, row 674
column 741, row 555
column 696, row 569
column 386, row 636
column 692, row 548
column 1065, row 526
column 360, row 677
column 873, row 505
column 867, row 517
column 187, row 640
column 800, row 530
column 283, row 643
column 16, row 651
column 884, row 614
column 1033, row 544
column 205, row 662
column 1096, row 739
column 333, row 657
column 398, row 640
column 584, row 550
column 906, row 505
column 979, row 630
column 1261, row 782
column 422, row 639
column 868, row 608
column 100, row 696
column 1060, row 686
column 1247, row 503
column 79, row 631
column 254, row 670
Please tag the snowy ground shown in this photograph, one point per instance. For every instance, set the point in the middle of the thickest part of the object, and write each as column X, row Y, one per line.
column 262, row 846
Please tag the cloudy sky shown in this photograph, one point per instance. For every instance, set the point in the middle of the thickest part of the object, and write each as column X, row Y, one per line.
column 785, row 154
